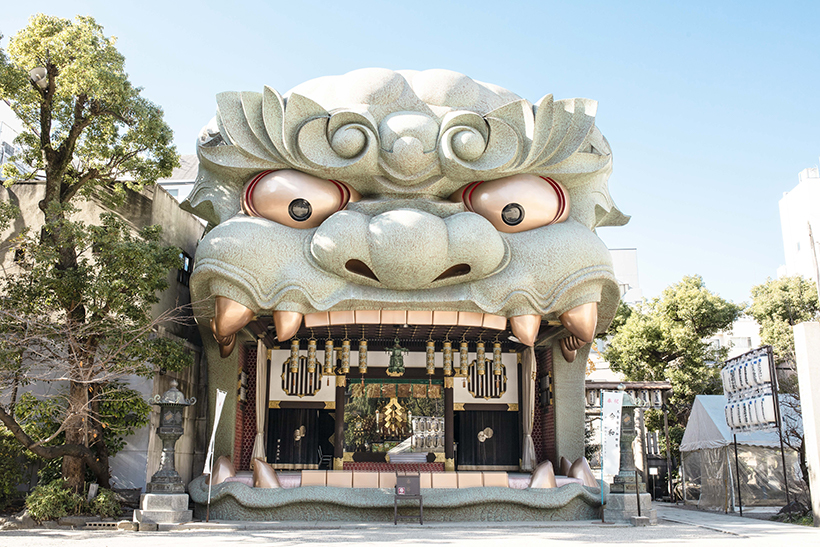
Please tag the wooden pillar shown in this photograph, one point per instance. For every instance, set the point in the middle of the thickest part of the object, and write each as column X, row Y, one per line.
column 449, row 462
column 339, row 436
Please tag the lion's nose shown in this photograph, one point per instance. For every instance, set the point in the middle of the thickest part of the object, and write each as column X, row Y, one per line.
column 408, row 248
column 405, row 249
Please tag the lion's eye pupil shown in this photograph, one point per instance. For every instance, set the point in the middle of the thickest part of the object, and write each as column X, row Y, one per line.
column 512, row 214
column 300, row 209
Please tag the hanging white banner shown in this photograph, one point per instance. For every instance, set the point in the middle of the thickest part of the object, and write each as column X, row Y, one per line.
column 209, row 458
column 611, row 431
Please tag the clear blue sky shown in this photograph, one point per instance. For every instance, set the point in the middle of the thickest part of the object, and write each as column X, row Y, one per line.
column 711, row 108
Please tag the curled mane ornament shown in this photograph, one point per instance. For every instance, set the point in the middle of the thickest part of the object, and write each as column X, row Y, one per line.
column 401, row 198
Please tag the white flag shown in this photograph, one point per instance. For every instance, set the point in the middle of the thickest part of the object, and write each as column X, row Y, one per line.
column 209, row 458
column 611, row 431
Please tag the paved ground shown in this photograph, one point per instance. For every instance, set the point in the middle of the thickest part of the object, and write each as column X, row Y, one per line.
column 675, row 527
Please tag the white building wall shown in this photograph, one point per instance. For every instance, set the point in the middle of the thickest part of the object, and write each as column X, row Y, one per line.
column 800, row 208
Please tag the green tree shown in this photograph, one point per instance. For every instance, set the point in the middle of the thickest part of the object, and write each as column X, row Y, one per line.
column 780, row 304
column 119, row 274
column 667, row 339
column 91, row 132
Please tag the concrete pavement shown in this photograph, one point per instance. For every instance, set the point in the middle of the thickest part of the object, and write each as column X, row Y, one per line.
column 676, row 526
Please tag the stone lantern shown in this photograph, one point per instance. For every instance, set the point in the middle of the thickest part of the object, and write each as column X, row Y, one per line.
column 172, row 405
column 165, row 500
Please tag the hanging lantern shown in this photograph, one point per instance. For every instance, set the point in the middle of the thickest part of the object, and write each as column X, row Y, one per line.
column 463, row 363
column 345, row 356
column 479, row 358
column 431, row 357
column 328, row 368
column 363, row 357
column 294, row 355
column 497, row 366
column 448, row 358
column 311, row 361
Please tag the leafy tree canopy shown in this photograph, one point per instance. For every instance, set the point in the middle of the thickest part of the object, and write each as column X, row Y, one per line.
column 89, row 125
column 666, row 339
column 778, row 305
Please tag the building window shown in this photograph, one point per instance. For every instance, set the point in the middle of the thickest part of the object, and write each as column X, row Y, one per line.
column 184, row 273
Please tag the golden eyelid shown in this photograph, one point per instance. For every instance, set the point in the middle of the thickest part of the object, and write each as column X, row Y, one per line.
column 543, row 200
column 270, row 194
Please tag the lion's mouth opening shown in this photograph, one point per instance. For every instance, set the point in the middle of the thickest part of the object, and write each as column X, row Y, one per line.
column 230, row 317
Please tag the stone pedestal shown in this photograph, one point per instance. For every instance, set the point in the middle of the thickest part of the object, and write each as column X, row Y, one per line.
column 623, row 507
column 163, row 509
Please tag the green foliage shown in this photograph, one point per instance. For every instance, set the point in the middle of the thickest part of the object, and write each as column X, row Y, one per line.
column 11, row 469
column 778, row 305
column 666, row 339
column 122, row 412
column 54, row 500
column 93, row 111
column 106, row 504
column 8, row 212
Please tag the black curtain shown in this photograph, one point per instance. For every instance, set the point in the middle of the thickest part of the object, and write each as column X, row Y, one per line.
column 502, row 448
column 284, row 445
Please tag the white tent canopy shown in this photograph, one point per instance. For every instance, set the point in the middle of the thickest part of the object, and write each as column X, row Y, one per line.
column 707, row 428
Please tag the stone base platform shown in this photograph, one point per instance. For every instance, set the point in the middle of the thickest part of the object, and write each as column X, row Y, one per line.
column 163, row 509
column 237, row 501
column 622, row 507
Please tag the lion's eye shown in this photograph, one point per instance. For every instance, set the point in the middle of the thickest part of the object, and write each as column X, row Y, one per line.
column 295, row 199
column 517, row 203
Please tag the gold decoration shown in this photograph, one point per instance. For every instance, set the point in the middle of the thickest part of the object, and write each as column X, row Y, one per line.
column 395, row 417
column 448, row 382
column 328, row 368
column 512, row 407
column 463, row 359
column 362, row 356
column 341, row 381
column 447, row 351
column 449, row 464
column 338, row 465
column 345, row 356
column 388, row 391
column 497, row 366
column 479, row 358
column 294, row 355
column 311, row 360
column 404, row 390
column 431, row 357
column 273, row 404
column 458, row 406
column 434, row 391
column 330, row 405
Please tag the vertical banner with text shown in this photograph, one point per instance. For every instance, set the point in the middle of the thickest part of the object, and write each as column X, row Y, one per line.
column 611, row 402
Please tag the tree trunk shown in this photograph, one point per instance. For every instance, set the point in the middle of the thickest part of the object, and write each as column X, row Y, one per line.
column 76, row 433
column 98, row 443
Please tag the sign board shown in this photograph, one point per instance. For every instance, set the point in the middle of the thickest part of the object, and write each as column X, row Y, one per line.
column 611, row 402
column 747, row 385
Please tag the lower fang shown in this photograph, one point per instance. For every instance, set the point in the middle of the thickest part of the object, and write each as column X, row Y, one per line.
column 569, row 354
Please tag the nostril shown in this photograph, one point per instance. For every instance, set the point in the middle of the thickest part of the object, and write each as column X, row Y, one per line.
column 455, row 271
column 360, row 268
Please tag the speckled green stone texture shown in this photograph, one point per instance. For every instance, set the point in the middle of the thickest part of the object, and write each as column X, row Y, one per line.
column 236, row 501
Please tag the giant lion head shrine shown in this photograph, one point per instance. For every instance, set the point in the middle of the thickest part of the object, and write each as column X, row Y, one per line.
column 401, row 275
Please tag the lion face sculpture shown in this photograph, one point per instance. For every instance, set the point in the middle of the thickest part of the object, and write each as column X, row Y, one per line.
column 404, row 197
